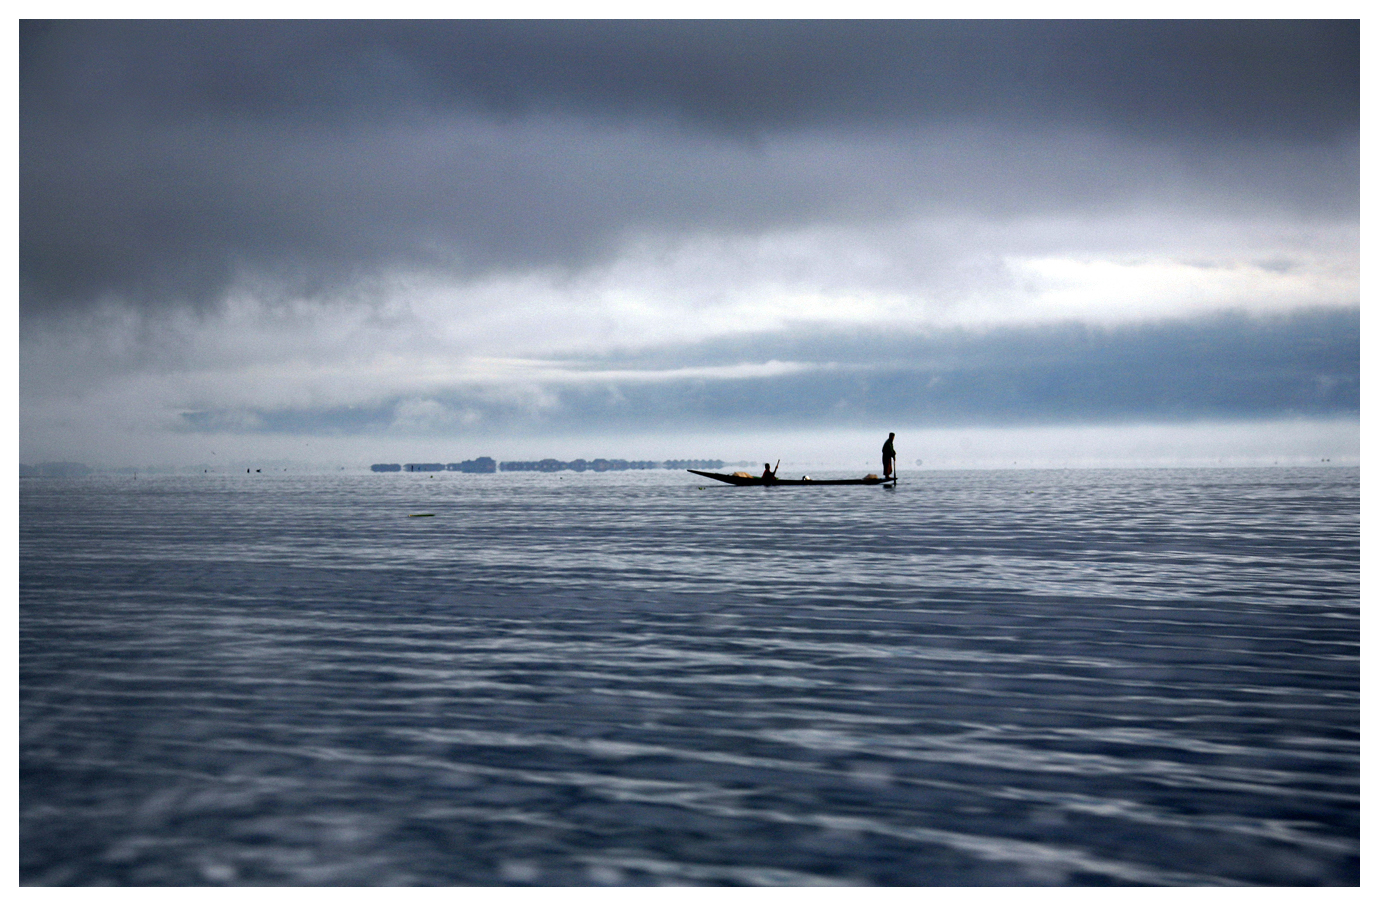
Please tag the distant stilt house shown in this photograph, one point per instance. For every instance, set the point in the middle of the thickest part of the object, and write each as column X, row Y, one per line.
column 481, row 465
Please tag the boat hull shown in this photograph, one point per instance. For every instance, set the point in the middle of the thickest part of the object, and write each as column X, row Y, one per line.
column 758, row 481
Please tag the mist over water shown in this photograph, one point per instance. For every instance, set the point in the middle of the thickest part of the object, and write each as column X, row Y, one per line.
column 1020, row 677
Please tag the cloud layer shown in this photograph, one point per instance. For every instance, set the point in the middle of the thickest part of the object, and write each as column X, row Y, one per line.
column 163, row 161
column 352, row 227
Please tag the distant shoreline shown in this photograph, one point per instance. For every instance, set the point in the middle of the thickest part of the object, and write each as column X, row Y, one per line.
column 480, row 465
column 69, row 470
column 485, row 464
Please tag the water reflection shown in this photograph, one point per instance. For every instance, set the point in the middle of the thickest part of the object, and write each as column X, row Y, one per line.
column 1009, row 678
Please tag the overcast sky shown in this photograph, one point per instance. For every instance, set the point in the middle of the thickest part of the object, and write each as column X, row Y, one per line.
column 374, row 241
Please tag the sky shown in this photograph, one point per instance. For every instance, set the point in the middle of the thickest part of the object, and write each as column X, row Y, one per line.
column 1051, row 242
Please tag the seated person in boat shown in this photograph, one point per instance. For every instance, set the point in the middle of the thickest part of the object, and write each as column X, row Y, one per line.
column 766, row 473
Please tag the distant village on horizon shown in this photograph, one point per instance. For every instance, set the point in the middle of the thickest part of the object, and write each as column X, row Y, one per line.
column 480, row 465
column 488, row 464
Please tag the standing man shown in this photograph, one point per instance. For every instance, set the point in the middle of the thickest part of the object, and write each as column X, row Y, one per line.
column 888, row 455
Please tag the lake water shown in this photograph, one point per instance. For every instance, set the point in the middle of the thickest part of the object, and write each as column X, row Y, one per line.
column 978, row 678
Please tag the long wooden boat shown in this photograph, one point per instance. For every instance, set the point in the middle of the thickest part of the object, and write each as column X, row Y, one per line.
column 745, row 480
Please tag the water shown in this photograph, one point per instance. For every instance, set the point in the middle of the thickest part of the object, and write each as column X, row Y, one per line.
column 1062, row 677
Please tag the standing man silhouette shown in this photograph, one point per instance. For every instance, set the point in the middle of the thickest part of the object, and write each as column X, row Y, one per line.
column 888, row 456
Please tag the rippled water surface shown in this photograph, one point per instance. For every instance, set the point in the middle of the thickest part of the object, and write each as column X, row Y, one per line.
column 1037, row 677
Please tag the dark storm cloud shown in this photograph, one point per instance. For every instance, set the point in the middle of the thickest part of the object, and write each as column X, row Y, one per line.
column 1226, row 367
column 163, row 161
column 1295, row 80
